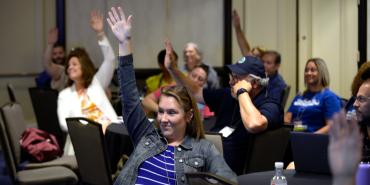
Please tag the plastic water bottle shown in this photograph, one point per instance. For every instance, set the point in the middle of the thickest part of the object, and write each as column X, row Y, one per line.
column 279, row 178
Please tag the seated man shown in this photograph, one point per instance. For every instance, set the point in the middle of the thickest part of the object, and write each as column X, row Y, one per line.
column 241, row 110
column 193, row 58
column 53, row 62
column 271, row 60
column 162, row 79
column 362, row 107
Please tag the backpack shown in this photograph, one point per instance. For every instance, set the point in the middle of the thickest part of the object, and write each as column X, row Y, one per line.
column 39, row 145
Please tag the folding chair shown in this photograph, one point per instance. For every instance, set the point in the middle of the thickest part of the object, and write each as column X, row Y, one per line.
column 90, row 150
column 266, row 148
column 216, row 139
column 45, row 175
column 44, row 103
column 15, row 124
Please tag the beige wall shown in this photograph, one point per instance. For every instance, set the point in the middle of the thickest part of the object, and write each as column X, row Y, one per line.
column 272, row 25
column 24, row 26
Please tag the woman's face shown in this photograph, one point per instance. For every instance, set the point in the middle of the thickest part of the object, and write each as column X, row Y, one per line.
column 199, row 76
column 74, row 69
column 172, row 118
column 311, row 74
column 191, row 57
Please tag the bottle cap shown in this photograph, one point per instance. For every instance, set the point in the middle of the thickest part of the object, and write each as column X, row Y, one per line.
column 279, row 164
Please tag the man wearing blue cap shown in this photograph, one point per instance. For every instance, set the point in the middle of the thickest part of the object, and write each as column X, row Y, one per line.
column 242, row 109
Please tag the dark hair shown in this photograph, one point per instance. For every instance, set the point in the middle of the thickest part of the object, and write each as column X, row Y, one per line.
column 162, row 54
column 361, row 76
column 194, row 129
column 275, row 53
column 59, row 45
column 87, row 66
column 204, row 67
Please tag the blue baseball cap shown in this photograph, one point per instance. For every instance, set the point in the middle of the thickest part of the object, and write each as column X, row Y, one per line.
column 247, row 65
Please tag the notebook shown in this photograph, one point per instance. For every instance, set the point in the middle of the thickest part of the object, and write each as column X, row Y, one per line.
column 310, row 152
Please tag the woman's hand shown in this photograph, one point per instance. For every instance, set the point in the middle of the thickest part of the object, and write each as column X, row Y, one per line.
column 169, row 60
column 96, row 22
column 119, row 25
column 53, row 36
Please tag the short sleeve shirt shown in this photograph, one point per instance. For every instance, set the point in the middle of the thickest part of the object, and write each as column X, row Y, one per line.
column 314, row 108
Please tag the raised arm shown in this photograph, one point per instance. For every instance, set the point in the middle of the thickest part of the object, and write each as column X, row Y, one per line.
column 345, row 146
column 106, row 69
column 242, row 41
column 54, row 70
column 133, row 114
column 178, row 76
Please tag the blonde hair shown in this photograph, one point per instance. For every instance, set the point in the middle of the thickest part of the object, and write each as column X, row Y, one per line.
column 322, row 69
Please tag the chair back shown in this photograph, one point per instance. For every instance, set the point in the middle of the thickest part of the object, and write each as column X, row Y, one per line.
column 44, row 102
column 15, row 124
column 5, row 145
column 11, row 95
column 284, row 96
column 90, row 150
column 266, row 148
column 216, row 139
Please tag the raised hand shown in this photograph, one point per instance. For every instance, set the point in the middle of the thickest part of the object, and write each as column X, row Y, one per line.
column 236, row 19
column 96, row 21
column 119, row 25
column 345, row 146
column 53, row 36
column 169, row 60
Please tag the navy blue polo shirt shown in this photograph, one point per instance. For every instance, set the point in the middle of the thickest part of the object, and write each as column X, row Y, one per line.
column 276, row 86
column 227, row 112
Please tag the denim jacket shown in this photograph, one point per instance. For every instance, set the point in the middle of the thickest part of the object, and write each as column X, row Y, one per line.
column 191, row 156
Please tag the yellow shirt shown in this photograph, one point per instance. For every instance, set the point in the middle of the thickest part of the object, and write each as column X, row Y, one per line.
column 154, row 82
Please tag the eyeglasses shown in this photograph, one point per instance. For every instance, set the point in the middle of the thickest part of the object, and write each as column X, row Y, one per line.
column 362, row 99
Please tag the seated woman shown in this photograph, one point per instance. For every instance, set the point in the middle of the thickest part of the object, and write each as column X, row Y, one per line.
column 317, row 104
column 85, row 94
column 164, row 155
column 198, row 75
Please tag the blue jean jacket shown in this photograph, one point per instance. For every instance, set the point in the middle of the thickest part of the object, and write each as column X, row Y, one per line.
column 191, row 156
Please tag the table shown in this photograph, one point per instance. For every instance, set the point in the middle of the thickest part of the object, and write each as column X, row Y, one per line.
column 293, row 178
column 118, row 142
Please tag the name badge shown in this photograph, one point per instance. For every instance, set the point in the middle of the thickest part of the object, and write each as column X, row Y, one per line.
column 226, row 131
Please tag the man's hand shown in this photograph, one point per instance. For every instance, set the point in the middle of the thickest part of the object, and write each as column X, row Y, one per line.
column 121, row 27
column 96, row 21
column 169, row 60
column 345, row 147
column 236, row 20
column 240, row 84
column 53, row 36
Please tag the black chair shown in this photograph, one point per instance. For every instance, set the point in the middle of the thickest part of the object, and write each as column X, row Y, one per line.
column 284, row 96
column 10, row 89
column 265, row 149
column 15, row 125
column 44, row 102
column 45, row 175
column 90, row 150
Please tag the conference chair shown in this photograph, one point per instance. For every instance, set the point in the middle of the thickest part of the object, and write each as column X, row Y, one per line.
column 46, row 175
column 90, row 150
column 216, row 139
column 265, row 149
column 13, row 118
column 284, row 97
column 44, row 103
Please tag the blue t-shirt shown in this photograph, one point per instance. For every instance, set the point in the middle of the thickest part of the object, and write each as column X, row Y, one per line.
column 276, row 86
column 314, row 108
column 226, row 109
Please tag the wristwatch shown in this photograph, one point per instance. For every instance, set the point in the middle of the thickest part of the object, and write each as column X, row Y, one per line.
column 241, row 91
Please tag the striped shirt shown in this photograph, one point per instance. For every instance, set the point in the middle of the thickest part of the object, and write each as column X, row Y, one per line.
column 159, row 169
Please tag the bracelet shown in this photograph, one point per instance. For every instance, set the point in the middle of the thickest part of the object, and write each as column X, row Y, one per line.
column 241, row 91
